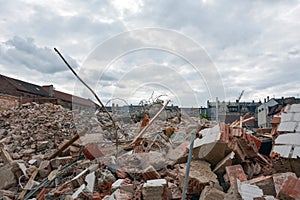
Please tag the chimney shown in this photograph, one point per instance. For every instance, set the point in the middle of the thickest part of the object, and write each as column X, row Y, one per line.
column 113, row 107
column 49, row 89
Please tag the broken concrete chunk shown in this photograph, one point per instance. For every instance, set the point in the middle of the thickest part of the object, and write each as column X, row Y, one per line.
column 174, row 191
column 136, row 163
column 233, row 193
column 247, row 191
column 200, row 176
column 90, row 180
column 42, row 145
column 213, row 152
column 119, row 195
column 78, row 191
column 227, row 161
column 60, row 161
column 178, row 154
column 123, row 185
column 211, row 193
column 44, row 168
column 265, row 183
column 116, row 184
column 7, row 193
column 7, row 177
column 155, row 189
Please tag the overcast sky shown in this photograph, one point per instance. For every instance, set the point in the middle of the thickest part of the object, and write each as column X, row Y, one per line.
column 252, row 46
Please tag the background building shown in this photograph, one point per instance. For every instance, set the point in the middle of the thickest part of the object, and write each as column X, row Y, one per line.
column 15, row 92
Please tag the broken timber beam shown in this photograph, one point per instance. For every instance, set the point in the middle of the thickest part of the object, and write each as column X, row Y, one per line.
column 5, row 155
column 24, row 191
column 149, row 124
column 66, row 145
column 242, row 121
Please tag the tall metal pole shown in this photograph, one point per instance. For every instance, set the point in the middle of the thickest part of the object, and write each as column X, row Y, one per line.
column 217, row 109
column 188, row 166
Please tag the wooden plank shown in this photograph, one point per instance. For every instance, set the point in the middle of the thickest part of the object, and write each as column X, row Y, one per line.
column 64, row 146
column 5, row 155
column 24, row 191
column 149, row 124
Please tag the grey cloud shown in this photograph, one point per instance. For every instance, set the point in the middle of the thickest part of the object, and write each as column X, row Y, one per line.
column 254, row 44
column 18, row 52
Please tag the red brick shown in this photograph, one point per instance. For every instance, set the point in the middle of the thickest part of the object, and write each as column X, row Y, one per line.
column 96, row 196
column 150, row 173
column 42, row 193
column 280, row 178
column 235, row 172
column 92, row 151
column 121, row 174
column 290, row 189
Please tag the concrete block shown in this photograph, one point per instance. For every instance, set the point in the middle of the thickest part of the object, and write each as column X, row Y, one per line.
column 7, row 193
column 60, row 161
column 265, row 183
column 211, row 193
column 247, row 191
column 90, row 180
column 7, row 177
column 44, row 168
column 200, row 176
column 155, row 189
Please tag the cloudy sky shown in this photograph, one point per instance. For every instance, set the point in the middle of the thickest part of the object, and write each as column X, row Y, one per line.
column 191, row 50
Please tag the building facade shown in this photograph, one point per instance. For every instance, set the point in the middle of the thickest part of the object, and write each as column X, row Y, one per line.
column 229, row 112
column 13, row 90
column 271, row 107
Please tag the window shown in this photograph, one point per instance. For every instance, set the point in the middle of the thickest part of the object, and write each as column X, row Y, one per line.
column 232, row 109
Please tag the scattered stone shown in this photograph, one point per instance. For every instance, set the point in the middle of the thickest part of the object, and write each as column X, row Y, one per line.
column 211, row 193
column 7, row 177
column 44, row 168
column 200, row 176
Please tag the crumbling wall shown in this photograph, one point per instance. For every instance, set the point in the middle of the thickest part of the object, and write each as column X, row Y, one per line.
column 7, row 102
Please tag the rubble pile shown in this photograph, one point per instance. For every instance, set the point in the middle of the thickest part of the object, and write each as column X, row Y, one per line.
column 35, row 129
column 48, row 152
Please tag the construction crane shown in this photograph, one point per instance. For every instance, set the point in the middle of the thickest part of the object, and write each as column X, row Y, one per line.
column 239, row 98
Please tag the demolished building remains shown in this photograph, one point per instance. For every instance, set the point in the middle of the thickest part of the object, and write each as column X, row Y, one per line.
column 50, row 152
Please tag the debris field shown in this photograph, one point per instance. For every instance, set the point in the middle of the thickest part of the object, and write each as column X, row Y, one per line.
column 50, row 152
